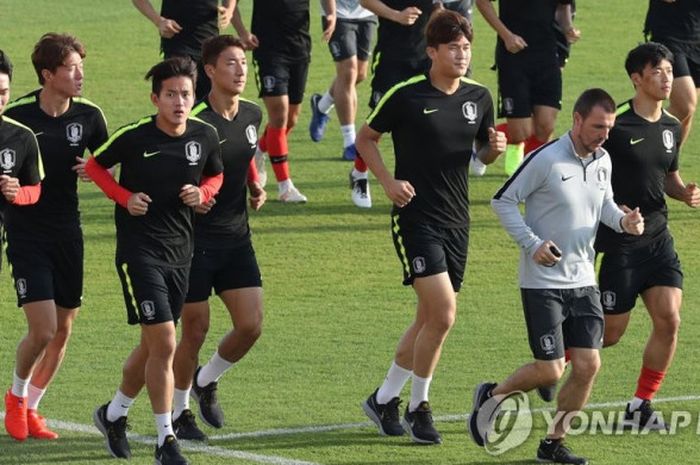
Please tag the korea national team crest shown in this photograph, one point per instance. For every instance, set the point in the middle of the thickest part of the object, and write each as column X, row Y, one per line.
column 74, row 133
column 193, row 152
column 470, row 112
column 21, row 286
column 251, row 135
column 668, row 139
column 148, row 308
column 609, row 300
column 547, row 343
column 419, row 264
column 8, row 159
column 269, row 83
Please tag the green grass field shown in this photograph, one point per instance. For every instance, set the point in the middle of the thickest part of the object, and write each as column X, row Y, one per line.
column 333, row 300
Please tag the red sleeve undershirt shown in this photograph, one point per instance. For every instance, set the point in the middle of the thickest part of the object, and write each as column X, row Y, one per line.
column 252, row 172
column 210, row 186
column 27, row 195
column 106, row 182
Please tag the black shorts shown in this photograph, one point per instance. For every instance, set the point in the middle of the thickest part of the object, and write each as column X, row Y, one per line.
column 525, row 81
column 278, row 76
column 426, row 250
column 152, row 293
column 222, row 270
column 686, row 58
column 558, row 319
column 623, row 276
column 388, row 73
column 47, row 271
column 352, row 37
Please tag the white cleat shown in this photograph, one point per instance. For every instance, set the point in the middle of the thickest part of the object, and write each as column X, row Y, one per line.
column 476, row 167
column 292, row 195
column 260, row 158
column 360, row 191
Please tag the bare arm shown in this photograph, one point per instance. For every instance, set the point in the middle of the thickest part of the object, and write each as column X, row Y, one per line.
column 513, row 42
column 488, row 153
column 328, row 7
column 677, row 189
column 167, row 28
column 564, row 18
column 226, row 13
column 250, row 41
column 406, row 17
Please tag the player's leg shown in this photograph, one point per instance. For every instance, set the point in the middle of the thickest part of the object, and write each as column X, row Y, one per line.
column 345, row 96
column 684, row 100
column 546, row 95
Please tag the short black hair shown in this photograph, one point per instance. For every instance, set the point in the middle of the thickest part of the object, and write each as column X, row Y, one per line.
column 446, row 26
column 591, row 98
column 649, row 53
column 5, row 65
column 212, row 48
column 176, row 66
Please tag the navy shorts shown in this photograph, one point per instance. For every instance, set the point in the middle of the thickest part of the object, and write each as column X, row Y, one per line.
column 352, row 38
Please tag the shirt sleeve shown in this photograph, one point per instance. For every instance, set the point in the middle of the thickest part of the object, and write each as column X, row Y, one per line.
column 386, row 114
column 214, row 164
column 111, row 152
column 99, row 134
column 482, row 134
column 31, row 172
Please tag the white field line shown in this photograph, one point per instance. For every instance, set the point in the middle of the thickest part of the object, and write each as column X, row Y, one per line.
column 276, row 460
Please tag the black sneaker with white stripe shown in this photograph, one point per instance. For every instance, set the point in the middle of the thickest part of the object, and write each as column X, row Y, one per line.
column 419, row 424
column 113, row 431
column 185, row 427
column 210, row 411
column 169, row 453
column 643, row 417
column 479, row 430
column 385, row 416
column 554, row 451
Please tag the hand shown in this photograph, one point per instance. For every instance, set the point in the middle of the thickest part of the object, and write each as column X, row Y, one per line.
column 258, row 196
column 573, row 35
column 497, row 141
column 204, row 208
column 399, row 192
column 224, row 17
column 544, row 255
column 329, row 21
column 80, row 169
column 167, row 28
column 633, row 221
column 408, row 16
column 514, row 43
column 9, row 187
column 191, row 195
column 250, row 41
column 692, row 195
column 138, row 204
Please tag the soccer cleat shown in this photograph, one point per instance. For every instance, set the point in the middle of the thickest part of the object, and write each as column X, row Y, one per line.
column 319, row 120
column 292, row 195
column 643, row 418
column 556, row 452
column 479, row 430
column 16, row 416
column 36, row 424
column 476, row 167
column 260, row 158
column 360, row 192
column 419, row 424
column 114, row 433
column 385, row 416
column 350, row 153
column 186, row 427
column 169, row 453
column 547, row 393
column 209, row 409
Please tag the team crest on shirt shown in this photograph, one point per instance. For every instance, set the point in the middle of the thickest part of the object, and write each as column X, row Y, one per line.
column 469, row 110
column 8, row 159
column 148, row 308
column 668, row 139
column 547, row 343
column 609, row 300
column 419, row 264
column 269, row 83
column 252, row 135
column 601, row 176
column 74, row 133
column 21, row 286
column 193, row 152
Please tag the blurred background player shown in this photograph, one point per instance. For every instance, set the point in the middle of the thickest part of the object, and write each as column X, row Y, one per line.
column 279, row 38
column 350, row 48
column 45, row 239
column 224, row 259
column 184, row 26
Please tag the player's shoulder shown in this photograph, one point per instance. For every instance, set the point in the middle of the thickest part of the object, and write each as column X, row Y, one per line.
column 200, row 125
column 250, row 107
column 85, row 105
column 131, row 131
column 18, row 129
column 22, row 103
column 668, row 119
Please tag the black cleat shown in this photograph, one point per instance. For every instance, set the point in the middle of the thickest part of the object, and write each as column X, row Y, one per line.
column 547, row 393
column 209, row 409
column 385, row 416
column 419, row 424
column 169, row 453
column 114, row 433
column 551, row 451
column 477, row 430
column 643, row 418
column 186, row 427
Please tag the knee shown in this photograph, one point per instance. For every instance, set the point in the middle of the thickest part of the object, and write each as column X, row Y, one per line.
column 517, row 134
column 251, row 329
column 544, row 130
column 443, row 318
column 550, row 372
column 361, row 76
column 586, row 369
column 41, row 337
column 195, row 332
column 668, row 327
column 348, row 75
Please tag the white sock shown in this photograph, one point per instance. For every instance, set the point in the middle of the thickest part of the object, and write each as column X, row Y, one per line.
column 181, row 402
column 325, row 105
column 348, row 132
column 19, row 385
column 419, row 391
column 164, row 425
column 394, row 382
column 119, row 406
column 213, row 370
column 285, row 185
column 359, row 174
column 34, row 397
column 635, row 403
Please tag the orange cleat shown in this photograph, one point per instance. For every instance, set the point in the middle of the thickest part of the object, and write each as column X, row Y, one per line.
column 37, row 426
column 16, row 416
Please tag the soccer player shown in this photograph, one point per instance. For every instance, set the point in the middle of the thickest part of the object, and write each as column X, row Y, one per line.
column 224, row 259
column 184, row 26
column 676, row 24
column 529, row 71
column 565, row 187
column 20, row 167
column 281, row 44
column 644, row 147
column 441, row 113
column 350, row 49
column 170, row 163
column 45, row 239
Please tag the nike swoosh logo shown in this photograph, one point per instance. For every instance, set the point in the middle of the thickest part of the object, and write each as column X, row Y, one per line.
column 37, row 134
column 566, row 178
column 427, row 112
column 635, row 141
column 221, row 142
column 150, row 154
